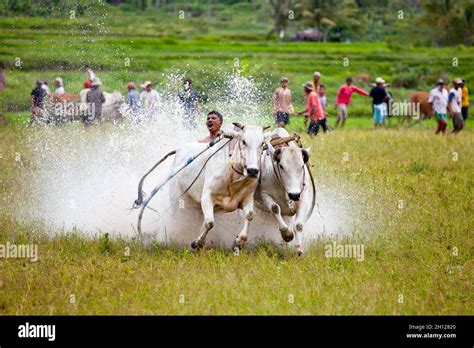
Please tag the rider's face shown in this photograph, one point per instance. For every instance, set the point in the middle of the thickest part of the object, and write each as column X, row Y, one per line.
column 213, row 123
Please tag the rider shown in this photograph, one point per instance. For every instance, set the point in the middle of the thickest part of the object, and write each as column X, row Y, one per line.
column 214, row 124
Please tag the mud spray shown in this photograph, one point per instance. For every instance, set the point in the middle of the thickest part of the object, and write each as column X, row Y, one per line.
column 87, row 178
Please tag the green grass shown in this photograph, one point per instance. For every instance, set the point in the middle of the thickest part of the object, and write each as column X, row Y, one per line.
column 50, row 48
column 410, row 253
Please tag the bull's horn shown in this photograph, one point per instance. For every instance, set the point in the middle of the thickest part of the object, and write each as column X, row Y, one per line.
column 265, row 127
column 238, row 125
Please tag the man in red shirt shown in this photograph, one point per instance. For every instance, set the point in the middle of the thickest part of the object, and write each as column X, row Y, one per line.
column 344, row 98
column 314, row 111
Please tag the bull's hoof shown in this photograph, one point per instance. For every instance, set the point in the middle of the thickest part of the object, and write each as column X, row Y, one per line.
column 299, row 252
column 287, row 234
column 196, row 245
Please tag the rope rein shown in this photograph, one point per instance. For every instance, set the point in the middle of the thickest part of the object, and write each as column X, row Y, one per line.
column 139, row 201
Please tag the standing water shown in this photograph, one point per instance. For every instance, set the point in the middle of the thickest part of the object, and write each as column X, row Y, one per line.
column 87, row 178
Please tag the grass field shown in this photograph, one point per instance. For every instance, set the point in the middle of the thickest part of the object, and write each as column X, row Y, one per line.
column 422, row 251
column 46, row 48
column 415, row 185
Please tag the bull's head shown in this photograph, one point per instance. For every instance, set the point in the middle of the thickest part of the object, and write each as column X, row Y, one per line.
column 289, row 163
column 250, row 147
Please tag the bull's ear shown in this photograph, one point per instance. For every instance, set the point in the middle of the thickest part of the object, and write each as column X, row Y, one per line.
column 238, row 125
column 265, row 127
column 305, row 153
column 277, row 155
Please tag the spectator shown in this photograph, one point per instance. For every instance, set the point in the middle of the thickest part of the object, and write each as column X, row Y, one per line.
column 282, row 104
column 316, row 81
column 149, row 98
column 465, row 100
column 84, row 108
column 314, row 111
column 343, row 99
column 133, row 99
column 438, row 100
column 95, row 98
column 38, row 95
column 214, row 123
column 189, row 101
column 59, row 86
column 455, row 99
column 380, row 96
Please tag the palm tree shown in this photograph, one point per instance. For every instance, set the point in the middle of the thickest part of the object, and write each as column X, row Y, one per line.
column 324, row 14
column 280, row 11
column 452, row 20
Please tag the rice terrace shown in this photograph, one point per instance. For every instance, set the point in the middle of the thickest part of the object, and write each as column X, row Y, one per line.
column 390, row 229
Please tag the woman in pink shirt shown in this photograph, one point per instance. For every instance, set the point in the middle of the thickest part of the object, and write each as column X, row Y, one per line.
column 344, row 98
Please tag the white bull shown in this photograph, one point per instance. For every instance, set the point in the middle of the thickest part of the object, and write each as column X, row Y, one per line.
column 227, row 182
column 286, row 189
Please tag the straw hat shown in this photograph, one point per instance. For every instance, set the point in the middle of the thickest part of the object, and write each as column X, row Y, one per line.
column 96, row 82
column 379, row 80
column 146, row 84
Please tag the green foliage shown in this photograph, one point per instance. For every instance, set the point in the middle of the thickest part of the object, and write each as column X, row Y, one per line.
column 437, row 22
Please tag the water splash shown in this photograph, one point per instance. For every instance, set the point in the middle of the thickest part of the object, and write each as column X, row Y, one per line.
column 87, row 178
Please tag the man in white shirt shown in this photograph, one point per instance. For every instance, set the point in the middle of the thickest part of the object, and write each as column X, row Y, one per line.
column 149, row 98
column 59, row 86
column 438, row 100
column 455, row 98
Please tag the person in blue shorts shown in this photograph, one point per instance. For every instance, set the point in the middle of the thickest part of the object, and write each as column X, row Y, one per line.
column 379, row 96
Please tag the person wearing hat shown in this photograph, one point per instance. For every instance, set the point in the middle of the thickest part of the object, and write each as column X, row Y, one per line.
column 38, row 95
column 316, row 81
column 84, row 109
column 95, row 98
column 343, row 99
column 59, row 85
column 454, row 105
column 189, row 101
column 314, row 111
column 149, row 98
column 133, row 99
column 438, row 100
column 213, row 123
column 465, row 100
column 379, row 97
column 282, row 104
